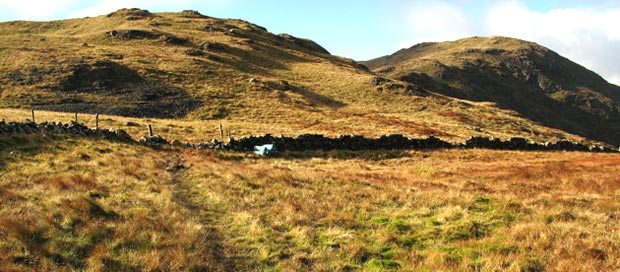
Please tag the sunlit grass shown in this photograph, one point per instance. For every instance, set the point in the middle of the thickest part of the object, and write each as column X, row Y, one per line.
column 83, row 204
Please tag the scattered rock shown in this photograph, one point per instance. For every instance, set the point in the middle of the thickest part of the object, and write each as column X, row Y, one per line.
column 174, row 40
column 114, row 56
column 155, row 141
column 194, row 52
column 213, row 46
column 387, row 70
column 376, row 81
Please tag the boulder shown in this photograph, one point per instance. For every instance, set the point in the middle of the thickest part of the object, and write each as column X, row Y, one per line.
column 174, row 40
column 213, row 46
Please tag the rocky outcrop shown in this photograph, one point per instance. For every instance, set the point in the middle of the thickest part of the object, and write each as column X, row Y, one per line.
column 132, row 14
column 303, row 43
column 136, row 34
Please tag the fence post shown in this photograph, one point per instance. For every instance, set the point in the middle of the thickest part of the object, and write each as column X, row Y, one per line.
column 33, row 116
column 221, row 136
column 97, row 121
column 150, row 130
column 76, row 118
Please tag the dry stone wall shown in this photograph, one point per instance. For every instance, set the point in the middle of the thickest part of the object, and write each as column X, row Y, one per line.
column 303, row 142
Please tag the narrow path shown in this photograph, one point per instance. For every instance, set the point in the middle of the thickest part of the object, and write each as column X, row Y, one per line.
column 216, row 254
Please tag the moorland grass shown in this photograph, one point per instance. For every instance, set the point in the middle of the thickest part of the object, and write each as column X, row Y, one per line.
column 98, row 205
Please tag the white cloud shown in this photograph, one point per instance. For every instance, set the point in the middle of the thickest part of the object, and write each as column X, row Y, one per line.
column 588, row 36
column 33, row 9
column 436, row 21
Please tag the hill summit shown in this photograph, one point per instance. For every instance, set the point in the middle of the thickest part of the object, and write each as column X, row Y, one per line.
column 519, row 75
column 190, row 66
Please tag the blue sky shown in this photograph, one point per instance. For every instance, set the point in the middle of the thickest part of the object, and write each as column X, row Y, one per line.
column 584, row 31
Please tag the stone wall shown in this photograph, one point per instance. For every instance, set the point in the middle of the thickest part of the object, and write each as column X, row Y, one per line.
column 303, row 142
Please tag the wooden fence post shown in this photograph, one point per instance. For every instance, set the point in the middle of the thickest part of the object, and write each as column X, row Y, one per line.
column 76, row 118
column 150, row 130
column 97, row 121
column 221, row 136
column 33, row 116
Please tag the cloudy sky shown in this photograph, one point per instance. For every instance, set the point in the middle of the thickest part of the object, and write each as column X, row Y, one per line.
column 587, row 32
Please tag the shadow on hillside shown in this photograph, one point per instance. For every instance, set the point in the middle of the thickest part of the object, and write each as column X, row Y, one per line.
column 318, row 99
column 530, row 102
column 110, row 88
column 262, row 59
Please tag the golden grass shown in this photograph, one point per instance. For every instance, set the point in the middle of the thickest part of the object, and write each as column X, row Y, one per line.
column 71, row 204
column 81, row 204
column 326, row 94
column 349, row 121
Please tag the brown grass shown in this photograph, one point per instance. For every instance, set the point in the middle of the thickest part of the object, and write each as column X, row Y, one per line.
column 84, row 204
column 327, row 94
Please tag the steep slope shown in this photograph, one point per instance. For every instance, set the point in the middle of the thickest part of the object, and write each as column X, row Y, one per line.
column 208, row 70
column 526, row 77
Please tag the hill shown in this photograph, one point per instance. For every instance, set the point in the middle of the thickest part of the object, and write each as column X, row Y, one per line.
column 77, row 200
column 523, row 76
column 198, row 68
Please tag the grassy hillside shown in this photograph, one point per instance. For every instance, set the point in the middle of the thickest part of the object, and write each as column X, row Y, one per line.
column 72, row 204
column 89, row 204
column 198, row 68
column 526, row 77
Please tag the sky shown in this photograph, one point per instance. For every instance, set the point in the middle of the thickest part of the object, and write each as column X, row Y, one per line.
column 587, row 32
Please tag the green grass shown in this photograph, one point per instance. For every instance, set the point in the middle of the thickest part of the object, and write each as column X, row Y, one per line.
column 86, row 204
